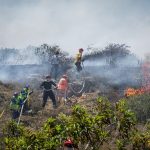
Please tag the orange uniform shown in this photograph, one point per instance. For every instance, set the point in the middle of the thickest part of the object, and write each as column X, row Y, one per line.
column 63, row 84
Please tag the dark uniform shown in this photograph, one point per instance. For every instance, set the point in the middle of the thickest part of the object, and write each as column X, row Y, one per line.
column 48, row 92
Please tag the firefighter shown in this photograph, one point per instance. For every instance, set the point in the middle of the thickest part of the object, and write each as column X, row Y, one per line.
column 24, row 95
column 15, row 105
column 47, row 85
column 62, row 88
column 27, row 90
column 79, row 59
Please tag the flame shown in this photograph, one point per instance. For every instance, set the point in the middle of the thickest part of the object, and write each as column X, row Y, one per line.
column 146, row 82
column 132, row 92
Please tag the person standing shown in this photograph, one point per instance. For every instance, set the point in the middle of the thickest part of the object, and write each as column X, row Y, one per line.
column 78, row 60
column 62, row 88
column 48, row 92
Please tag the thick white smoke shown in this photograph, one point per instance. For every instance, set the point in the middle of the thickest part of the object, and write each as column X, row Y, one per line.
column 127, row 70
column 18, row 65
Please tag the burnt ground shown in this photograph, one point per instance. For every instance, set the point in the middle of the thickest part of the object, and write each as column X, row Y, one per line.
column 38, row 116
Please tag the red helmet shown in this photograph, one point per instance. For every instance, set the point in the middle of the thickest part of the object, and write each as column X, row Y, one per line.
column 81, row 50
column 68, row 143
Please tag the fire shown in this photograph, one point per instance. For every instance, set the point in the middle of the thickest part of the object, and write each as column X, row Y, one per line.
column 131, row 91
column 146, row 81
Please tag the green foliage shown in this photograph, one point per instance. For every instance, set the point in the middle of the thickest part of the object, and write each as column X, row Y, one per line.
column 120, row 144
column 125, row 119
column 140, row 105
column 87, row 129
column 141, row 140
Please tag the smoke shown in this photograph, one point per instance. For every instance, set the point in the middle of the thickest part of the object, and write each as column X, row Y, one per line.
column 121, row 71
column 9, row 56
column 20, row 65
column 73, row 24
column 27, row 64
column 125, row 72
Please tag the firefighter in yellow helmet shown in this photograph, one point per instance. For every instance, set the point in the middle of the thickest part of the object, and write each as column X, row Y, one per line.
column 78, row 60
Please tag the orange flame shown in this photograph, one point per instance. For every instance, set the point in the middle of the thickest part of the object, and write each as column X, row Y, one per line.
column 131, row 91
column 146, row 82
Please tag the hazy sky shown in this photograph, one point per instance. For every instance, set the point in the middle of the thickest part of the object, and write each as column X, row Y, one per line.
column 75, row 23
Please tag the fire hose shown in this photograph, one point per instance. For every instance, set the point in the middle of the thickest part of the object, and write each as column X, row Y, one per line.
column 2, row 113
column 77, row 92
column 22, row 110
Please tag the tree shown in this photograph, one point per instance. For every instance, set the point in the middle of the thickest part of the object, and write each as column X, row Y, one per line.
column 46, row 54
column 110, row 53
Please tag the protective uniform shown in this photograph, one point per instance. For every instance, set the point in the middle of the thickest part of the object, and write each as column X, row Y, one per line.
column 47, row 85
column 78, row 60
column 62, row 88
column 24, row 95
column 15, row 106
column 78, row 57
column 63, row 84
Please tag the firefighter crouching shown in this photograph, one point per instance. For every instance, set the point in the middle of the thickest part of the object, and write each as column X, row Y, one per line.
column 15, row 105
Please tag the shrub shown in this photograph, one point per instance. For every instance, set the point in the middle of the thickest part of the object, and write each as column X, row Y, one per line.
column 140, row 105
column 88, row 129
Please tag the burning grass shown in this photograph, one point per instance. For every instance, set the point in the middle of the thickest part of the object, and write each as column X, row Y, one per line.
column 133, row 92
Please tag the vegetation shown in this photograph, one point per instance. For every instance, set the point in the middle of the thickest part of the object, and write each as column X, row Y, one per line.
column 140, row 105
column 105, row 125
column 112, row 54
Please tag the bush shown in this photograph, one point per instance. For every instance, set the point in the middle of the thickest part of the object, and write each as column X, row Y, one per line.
column 140, row 105
column 88, row 129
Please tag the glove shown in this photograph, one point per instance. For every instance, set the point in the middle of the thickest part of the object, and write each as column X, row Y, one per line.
column 21, row 103
column 56, row 88
column 30, row 92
